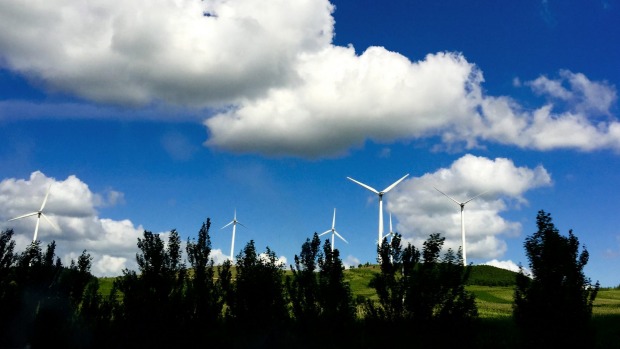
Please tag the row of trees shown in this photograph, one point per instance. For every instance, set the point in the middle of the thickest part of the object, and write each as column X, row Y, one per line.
column 168, row 303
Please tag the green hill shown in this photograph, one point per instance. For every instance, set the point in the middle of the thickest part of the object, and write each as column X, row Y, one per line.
column 486, row 275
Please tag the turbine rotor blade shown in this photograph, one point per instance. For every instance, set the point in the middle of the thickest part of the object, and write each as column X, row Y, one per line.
column 448, row 196
column 23, row 216
column 335, row 232
column 484, row 192
column 334, row 220
column 46, row 195
column 364, row 185
column 394, row 184
column 50, row 222
column 325, row 232
column 228, row 224
column 241, row 224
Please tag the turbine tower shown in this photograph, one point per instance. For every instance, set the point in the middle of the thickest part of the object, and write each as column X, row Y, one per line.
column 234, row 223
column 462, row 204
column 380, row 194
column 391, row 232
column 391, row 235
column 334, row 232
column 38, row 213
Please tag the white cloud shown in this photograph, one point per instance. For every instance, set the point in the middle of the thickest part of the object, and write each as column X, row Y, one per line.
column 71, row 206
column 142, row 51
column 584, row 95
column 281, row 260
column 421, row 210
column 344, row 99
column 508, row 265
column 272, row 82
column 351, row 261
column 218, row 256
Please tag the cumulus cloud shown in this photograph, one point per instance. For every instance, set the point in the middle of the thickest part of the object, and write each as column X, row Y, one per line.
column 270, row 81
column 508, row 265
column 351, row 261
column 181, row 52
column 422, row 210
column 582, row 94
column 280, row 261
column 71, row 206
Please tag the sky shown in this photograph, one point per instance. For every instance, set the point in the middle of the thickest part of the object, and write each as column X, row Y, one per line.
column 158, row 115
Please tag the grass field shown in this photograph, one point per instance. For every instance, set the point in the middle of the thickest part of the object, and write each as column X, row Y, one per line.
column 494, row 291
column 494, row 302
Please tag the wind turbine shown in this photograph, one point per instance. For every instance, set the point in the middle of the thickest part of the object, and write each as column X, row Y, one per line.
column 462, row 204
column 334, row 232
column 234, row 223
column 380, row 194
column 38, row 213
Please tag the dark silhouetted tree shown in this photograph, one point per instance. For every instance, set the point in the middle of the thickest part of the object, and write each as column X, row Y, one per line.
column 422, row 289
column 204, row 297
column 9, row 295
column 302, row 285
column 390, row 283
column 553, row 306
column 257, row 303
column 436, row 288
column 337, row 307
column 154, row 297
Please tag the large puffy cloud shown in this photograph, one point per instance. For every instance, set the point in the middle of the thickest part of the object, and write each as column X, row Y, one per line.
column 182, row 52
column 345, row 99
column 422, row 210
column 71, row 206
column 274, row 83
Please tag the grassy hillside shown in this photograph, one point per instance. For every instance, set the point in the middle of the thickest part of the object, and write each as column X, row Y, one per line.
column 493, row 288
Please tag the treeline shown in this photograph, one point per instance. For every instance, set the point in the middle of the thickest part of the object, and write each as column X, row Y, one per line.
column 171, row 302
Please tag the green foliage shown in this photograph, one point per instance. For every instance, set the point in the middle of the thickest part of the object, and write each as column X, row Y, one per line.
column 204, row 297
column 334, row 293
column 303, row 286
column 421, row 286
column 554, row 305
column 154, row 296
column 257, row 298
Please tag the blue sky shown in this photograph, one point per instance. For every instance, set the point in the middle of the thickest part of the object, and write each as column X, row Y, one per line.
column 156, row 115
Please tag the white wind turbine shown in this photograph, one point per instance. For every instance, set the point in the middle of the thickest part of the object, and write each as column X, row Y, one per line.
column 234, row 223
column 38, row 213
column 462, row 205
column 380, row 194
column 334, row 232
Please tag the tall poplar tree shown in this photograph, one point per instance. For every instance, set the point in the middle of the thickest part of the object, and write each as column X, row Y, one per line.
column 553, row 305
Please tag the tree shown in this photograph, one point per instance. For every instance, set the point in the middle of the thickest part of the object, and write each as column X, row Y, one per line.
column 390, row 283
column 154, row 297
column 337, row 309
column 204, row 297
column 303, row 286
column 554, row 304
column 9, row 296
column 258, row 298
column 422, row 291
column 436, row 288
